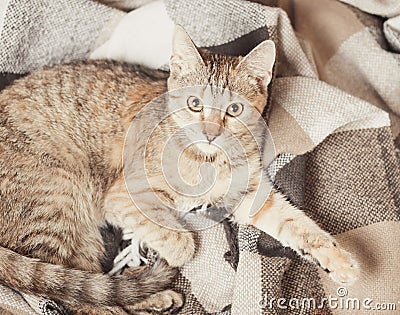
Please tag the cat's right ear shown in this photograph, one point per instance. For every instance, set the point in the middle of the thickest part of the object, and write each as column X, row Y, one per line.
column 185, row 56
column 259, row 62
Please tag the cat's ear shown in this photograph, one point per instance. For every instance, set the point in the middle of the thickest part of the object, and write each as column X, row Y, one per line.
column 185, row 55
column 260, row 61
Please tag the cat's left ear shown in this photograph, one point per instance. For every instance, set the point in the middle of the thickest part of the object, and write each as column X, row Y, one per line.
column 259, row 62
column 185, row 55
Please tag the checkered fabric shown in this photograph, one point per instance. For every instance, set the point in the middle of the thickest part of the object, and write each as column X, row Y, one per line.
column 334, row 117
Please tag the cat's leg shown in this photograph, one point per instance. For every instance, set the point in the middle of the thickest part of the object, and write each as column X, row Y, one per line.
column 151, row 221
column 160, row 230
column 293, row 228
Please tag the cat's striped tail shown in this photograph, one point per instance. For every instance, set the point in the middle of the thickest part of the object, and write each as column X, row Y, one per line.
column 76, row 287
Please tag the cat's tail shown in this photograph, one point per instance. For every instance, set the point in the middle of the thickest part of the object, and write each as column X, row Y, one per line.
column 76, row 287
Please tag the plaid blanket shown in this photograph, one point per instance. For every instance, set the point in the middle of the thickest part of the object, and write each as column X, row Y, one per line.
column 334, row 116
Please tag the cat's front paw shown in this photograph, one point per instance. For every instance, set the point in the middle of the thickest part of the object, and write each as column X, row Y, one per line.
column 339, row 264
column 342, row 267
column 177, row 247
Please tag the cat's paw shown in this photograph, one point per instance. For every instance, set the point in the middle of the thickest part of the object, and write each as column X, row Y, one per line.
column 164, row 302
column 177, row 247
column 339, row 264
column 342, row 267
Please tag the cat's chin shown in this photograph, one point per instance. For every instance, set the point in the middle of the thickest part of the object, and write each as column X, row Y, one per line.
column 208, row 148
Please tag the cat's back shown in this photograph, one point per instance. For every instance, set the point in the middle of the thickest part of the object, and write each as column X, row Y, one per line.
column 75, row 109
column 77, row 92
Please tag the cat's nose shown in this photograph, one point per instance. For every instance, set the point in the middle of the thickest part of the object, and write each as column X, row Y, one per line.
column 211, row 131
column 211, row 138
column 211, row 135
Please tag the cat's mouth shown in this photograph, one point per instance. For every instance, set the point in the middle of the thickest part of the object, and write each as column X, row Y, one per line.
column 208, row 147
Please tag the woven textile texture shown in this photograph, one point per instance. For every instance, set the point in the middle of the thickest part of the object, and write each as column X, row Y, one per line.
column 334, row 117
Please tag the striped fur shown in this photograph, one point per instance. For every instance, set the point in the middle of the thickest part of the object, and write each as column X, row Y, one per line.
column 78, row 287
column 62, row 132
column 61, row 138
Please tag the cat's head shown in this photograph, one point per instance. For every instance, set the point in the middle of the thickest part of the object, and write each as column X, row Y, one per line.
column 216, row 97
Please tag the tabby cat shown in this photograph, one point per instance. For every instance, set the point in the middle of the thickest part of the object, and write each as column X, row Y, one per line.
column 71, row 159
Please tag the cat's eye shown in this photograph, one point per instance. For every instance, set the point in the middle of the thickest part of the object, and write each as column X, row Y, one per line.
column 195, row 104
column 234, row 109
